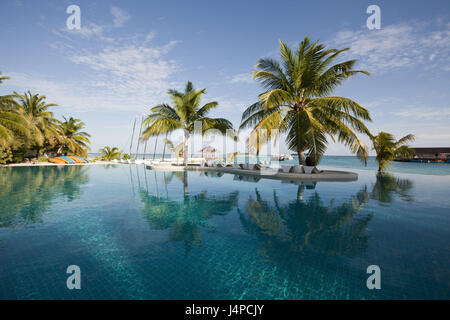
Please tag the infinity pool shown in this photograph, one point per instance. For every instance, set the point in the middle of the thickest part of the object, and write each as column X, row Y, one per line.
column 141, row 234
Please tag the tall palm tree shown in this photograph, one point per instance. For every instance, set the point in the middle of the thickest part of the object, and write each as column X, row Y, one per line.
column 74, row 140
column 182, row 115
column 36, row 109
column 297, row 100
column 109, row 153
column 388, row 149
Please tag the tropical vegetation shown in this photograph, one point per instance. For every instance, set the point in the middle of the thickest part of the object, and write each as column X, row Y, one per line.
column 388, row 149
column 297, row 101
column 186, row 109
column 28, row 128
column 109, row 153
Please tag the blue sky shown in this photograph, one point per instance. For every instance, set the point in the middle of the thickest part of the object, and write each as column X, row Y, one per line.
column 128, row 53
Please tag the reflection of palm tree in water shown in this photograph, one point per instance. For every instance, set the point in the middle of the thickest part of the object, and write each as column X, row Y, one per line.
column 387, row 185
column 301, row 226
column 39, row 186
column 28, row 192
column 187, row 218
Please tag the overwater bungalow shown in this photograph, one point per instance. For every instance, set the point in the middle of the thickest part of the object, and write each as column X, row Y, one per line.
column 435, row 154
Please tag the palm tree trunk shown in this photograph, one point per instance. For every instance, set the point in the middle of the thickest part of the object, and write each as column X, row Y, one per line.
column 185, row 149
column 300, row 153
column 164, row 149
column 301, row 157
column 380, row 166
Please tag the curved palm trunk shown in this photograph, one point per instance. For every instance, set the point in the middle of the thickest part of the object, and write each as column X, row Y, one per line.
column 185, row 148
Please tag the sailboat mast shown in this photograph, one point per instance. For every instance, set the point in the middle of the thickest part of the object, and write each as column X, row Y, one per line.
column 156, row 143
column 139, row 137
column 145, row 149
column 132, row 136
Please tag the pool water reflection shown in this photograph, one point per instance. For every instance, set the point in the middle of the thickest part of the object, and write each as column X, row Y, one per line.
column 142, row 234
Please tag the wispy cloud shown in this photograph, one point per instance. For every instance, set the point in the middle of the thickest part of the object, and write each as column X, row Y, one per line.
column 132, row 74
column 88, row 31
column 120, row 16
column 244, row 77
column 398, row 45
column 424, row 113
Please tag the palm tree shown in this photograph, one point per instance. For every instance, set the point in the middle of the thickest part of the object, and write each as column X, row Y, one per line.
column 388, row 149
column 182, row 115
column 36, row 109
column 109, row 153
column 74, row 140
column 298, row 102
column 13, row 123
column 177, row 149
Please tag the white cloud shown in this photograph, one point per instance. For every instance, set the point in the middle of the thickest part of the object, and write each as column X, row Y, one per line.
column 245, row 77
column 134, row 74
column 424, row 113
column 120, row 16
column 87, row 31
column 398, row 45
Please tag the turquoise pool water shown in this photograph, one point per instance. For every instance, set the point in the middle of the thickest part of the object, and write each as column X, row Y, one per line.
column 141, row 234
